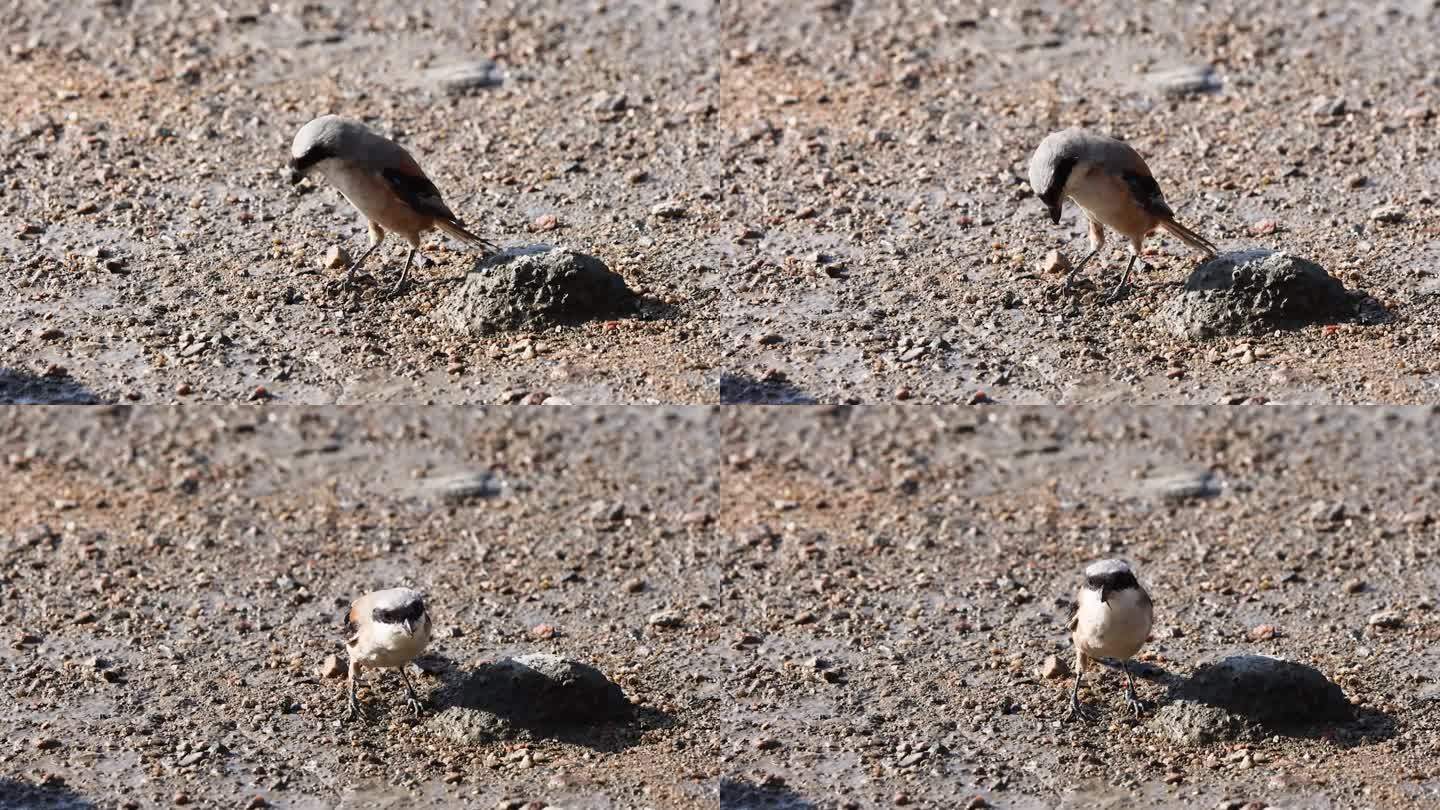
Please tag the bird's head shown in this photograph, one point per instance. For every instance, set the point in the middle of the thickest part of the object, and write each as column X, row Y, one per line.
column 401, row 607
column 316, row 141
column 1050, row 169
column 1108, row 577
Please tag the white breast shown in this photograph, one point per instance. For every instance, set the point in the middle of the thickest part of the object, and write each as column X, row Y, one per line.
column 1116, row 628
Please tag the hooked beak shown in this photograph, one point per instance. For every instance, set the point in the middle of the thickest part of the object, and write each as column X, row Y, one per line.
column 410, row 626
column 1104, row 591
column 1054, row 209
column 295, row 174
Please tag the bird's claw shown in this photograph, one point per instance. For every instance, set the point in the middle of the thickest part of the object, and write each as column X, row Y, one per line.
column 416, row 707
column 1136, row 706
column 1080, row 710
column 358, row 712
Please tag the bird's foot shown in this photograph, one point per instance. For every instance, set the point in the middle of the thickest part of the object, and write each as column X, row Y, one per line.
column 1115, row 294
column 416, row 707
column 1137, row 708
column 1080, row 710
column 399, row 286
column 358, row 712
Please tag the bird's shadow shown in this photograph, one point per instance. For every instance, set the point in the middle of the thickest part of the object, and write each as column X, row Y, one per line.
column 740, row 794
column 520, row 703
column 20, row 387
column 1363, row 725
column 49, row 795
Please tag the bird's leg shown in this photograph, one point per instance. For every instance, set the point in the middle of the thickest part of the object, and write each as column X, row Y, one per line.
column 1097, row 242
column 404, row 272
column 1076, row 708
column 357, row 709
column 411, row 699
column 1075, row 271
column 1130, row 697
column 1124, row 277
column 377, row 235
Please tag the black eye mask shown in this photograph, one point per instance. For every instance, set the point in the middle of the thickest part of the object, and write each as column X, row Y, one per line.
column 410, row 612
column 1051, row 195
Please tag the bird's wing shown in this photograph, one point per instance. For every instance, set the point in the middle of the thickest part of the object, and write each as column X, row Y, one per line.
column 1147, row 193
column 352, row 628
column 1074, row 620
column 416, row 191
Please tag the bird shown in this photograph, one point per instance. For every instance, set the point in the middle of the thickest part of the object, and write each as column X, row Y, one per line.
column 386, row 629
column 1113, row 186
column 1112, row 620
column 382, row 180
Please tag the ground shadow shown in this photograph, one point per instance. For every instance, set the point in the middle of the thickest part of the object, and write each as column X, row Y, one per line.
column 49, row 795
column 739, row 389
column 1292, row 700
column 21, row 387
column 772, row 794
column 508, row 699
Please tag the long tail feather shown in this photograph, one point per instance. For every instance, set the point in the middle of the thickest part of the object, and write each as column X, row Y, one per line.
column 1189, row 237
column 454, row 229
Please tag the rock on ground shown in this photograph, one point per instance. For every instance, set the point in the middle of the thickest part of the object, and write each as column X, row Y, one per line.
column 461, row 78
column 1253, row 292
column 533, row 289
column 525, row 697
column 1245, row 696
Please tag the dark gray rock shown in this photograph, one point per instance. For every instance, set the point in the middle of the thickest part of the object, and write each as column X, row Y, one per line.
column 1253, row 292
column 526, row 697
column 1247, row 697
column 532, row 289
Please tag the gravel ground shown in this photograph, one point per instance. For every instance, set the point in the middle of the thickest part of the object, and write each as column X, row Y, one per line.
column 855, row 605
column 898, row 577
column 154, row 249
column 173, row 579
column 891, row 249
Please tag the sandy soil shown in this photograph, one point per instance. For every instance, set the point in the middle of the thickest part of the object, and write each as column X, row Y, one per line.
column 876, row 153
column 154, row 251
column 899, row 576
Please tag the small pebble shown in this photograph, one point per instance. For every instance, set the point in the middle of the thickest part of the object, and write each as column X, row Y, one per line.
column 1054, row 668
column 335, row 258
column 1386, row 620
column 1054, row 262
column 1264, row 632
column 669, row 210
column 1353, row 585
column 331, row 667
column 1388, row 214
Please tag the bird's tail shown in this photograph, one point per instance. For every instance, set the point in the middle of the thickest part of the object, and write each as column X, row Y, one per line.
column 1188, row 236
column 457, row 231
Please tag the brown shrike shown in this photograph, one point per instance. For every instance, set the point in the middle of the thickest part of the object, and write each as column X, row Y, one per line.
column 1112, row 184
column 1112, row 620
column 387, row 629
column 379, row 178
